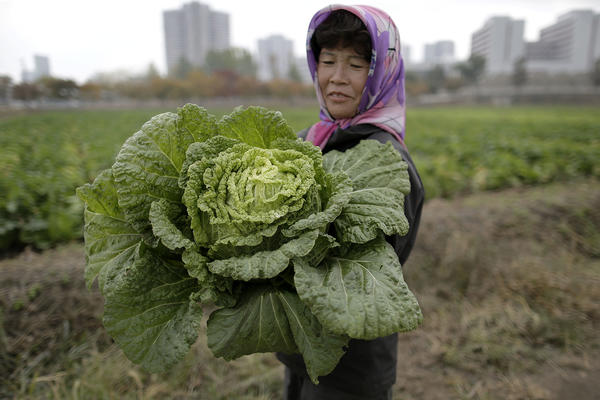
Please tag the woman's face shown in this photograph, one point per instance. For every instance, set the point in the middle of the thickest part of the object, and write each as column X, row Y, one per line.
column 342, row 75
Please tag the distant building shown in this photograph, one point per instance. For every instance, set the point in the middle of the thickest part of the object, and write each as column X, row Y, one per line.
column 41, row 69
column 41, row 66
column 219, row 25
column 191, row 32
column 175, row 38
column 26, row 75
column 501, row 42
column 439, row 53
column 571, row 45
column 275, row 57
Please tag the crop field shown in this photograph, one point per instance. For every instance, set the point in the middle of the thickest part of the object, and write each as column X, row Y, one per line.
column 45, row 156
column 506, row 266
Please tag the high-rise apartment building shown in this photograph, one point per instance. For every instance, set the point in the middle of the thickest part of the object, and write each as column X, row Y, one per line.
column 175, row 43
column 219, row 30
column 439, row 53
column 275, row 57
column 571, row 45
column 41, row 68
column 501, row 42
column 191, row 32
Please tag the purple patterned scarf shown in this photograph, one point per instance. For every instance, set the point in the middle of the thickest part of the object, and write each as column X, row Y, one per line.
column 382, row 101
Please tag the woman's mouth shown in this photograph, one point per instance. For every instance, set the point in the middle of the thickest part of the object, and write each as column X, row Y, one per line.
column 338, row 96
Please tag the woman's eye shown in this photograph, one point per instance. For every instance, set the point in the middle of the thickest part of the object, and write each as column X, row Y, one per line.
column 357, row 66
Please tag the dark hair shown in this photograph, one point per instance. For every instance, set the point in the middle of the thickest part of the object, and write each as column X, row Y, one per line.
column 342, row 28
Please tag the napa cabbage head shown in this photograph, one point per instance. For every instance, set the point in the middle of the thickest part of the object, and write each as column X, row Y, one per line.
column 196, row 211
column 252, row 198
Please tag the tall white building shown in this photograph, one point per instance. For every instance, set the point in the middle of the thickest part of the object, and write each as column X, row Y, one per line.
column 275, row 57
column 192, row 31
column 219, row 24
column 41, row 68
column 501, row 42
column 571, row 45
column 439, row 53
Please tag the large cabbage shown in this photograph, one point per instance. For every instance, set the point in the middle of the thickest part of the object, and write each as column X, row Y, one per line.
column 284, row 244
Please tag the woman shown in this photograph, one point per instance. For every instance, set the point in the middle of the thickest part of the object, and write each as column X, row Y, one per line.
column 354, row 58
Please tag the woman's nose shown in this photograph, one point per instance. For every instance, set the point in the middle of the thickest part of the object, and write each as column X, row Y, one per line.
column 339, row 75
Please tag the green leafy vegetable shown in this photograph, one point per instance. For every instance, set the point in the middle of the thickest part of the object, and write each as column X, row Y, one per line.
column 359, row 292
column 285, row 244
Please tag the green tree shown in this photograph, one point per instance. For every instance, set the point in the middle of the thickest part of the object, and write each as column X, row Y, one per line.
column 294, row 73
column 26, row 91
column 596, row 73
column 182, row 69
column 202, row 84
column 452, row 84
column 5, row 85
column 519, row 74
column 234, row 59
column 58, row 88
column 415, row 84
column 152, row 72
column 435, row 78
column 472, row 69
column 90, row 91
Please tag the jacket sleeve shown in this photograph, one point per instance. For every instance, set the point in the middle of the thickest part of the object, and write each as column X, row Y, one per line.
column 413, row 203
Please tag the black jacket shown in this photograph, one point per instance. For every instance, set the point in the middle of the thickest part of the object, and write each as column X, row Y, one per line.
column 369, row 367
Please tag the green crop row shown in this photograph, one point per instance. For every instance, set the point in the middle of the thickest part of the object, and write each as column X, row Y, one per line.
column 45, row 156
column 462, row 150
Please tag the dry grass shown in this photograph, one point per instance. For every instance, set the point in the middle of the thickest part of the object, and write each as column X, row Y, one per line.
column 508, row 281
column 509, row 284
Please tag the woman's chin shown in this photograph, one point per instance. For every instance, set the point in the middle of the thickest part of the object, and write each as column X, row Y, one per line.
column 337, row 112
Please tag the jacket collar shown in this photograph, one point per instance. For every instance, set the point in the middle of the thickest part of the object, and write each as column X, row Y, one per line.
column 344, row 138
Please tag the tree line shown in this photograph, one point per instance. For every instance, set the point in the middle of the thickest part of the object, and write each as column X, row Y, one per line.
column 232, row 73
column 226, row 73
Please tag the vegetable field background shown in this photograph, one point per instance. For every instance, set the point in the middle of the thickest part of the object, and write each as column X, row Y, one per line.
column 506, row 267
column 45, row 156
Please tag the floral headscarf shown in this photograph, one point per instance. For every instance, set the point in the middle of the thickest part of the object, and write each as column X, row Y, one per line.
column 382, row 101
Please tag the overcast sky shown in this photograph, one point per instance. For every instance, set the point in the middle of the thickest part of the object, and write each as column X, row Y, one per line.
column 83, row 37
